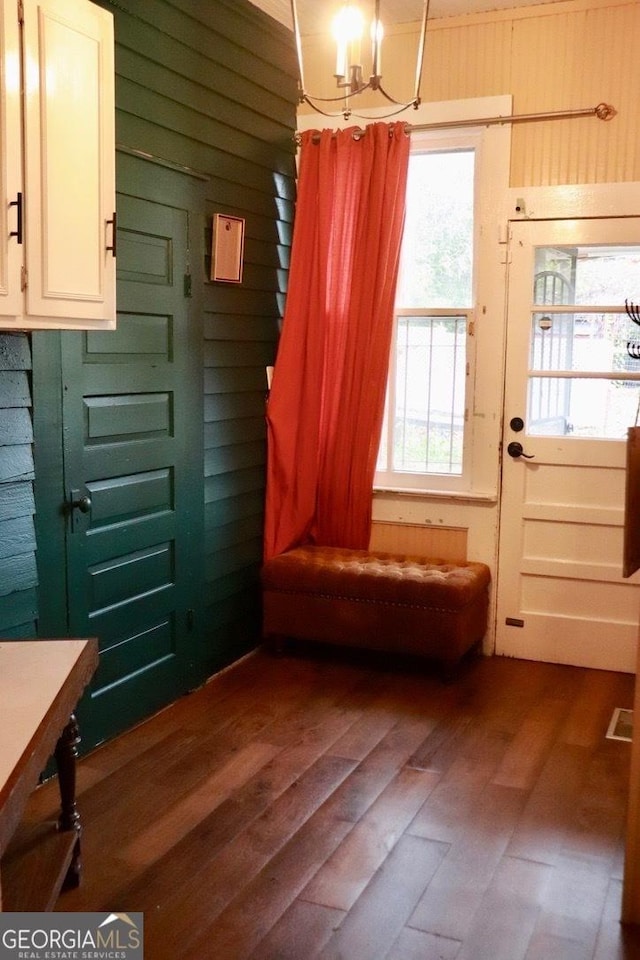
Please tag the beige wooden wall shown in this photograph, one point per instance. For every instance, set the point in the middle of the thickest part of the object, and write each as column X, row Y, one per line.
column 553, row 56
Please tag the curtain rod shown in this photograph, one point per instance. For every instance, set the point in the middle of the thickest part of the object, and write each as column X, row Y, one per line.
column 603, row 111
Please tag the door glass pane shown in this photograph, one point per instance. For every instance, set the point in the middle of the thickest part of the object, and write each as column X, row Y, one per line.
column 582, row 407
column 587, row 275
column 590, row 344
column 584, row 342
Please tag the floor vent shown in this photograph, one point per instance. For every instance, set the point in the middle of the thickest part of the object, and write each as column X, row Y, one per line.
column 621, row 726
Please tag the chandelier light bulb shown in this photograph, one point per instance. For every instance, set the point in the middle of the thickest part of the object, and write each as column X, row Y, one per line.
column 347, row 28
column 377, row 34
column 348, row 22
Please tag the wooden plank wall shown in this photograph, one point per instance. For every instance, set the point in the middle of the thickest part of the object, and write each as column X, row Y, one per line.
column 18, row 578
column 213, row 87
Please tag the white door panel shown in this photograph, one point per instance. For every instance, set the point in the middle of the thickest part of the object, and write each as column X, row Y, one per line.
column 561, row 596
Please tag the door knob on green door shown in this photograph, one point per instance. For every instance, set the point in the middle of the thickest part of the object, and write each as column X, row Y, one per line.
column 83, row 504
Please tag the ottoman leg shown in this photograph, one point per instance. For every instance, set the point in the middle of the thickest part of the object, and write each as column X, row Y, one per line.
column 277, row 644
column 450, row 671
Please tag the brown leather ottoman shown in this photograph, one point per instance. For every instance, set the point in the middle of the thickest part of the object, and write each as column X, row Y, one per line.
column 378, row 601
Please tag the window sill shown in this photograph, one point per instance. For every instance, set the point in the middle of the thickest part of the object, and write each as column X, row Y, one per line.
column 460, row 496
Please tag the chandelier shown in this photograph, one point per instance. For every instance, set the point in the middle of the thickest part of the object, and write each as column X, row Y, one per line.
column 358, row 53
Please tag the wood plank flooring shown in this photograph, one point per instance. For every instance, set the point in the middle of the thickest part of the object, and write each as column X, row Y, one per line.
column 321, row 807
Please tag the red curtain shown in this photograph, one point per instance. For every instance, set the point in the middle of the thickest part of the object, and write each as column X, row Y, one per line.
column 325, row 409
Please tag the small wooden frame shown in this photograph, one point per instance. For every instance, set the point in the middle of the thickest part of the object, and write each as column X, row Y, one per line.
column 227, row 248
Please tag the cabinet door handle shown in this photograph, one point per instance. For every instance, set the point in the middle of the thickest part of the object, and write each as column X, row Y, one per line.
column 18, row 231
column 113, row 235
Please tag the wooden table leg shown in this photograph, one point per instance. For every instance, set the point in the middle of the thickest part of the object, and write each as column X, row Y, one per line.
column 66, row 753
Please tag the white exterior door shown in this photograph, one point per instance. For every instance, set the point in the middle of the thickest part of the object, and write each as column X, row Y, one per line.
column 571, row 392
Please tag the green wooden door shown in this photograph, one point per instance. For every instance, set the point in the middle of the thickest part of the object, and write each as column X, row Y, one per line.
column 131, row 476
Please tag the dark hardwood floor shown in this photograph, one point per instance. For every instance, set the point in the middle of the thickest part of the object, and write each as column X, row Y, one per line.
column 316, row 807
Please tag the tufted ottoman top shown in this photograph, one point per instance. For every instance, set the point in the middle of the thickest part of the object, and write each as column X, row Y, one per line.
column 376, row 576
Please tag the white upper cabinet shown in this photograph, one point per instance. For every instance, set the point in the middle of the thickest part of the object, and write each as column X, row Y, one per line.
column 57, row 148
column 11, row 253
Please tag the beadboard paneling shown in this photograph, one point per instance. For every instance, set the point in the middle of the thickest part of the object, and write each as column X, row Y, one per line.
column 444, row 543
column 576, row 58
column 572, row 54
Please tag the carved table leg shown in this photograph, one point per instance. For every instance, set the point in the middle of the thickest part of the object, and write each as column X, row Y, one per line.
column 66, row 753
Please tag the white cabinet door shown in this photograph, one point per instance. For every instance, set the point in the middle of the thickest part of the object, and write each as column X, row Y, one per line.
column 69, row 165
column 11, row 250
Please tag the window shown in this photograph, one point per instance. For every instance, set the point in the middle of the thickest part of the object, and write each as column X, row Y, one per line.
column 426, row 437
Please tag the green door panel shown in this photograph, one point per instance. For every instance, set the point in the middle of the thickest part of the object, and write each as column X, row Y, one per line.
column 131, row 477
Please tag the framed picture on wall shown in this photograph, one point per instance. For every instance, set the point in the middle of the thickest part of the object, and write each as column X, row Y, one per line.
column 227, row 250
